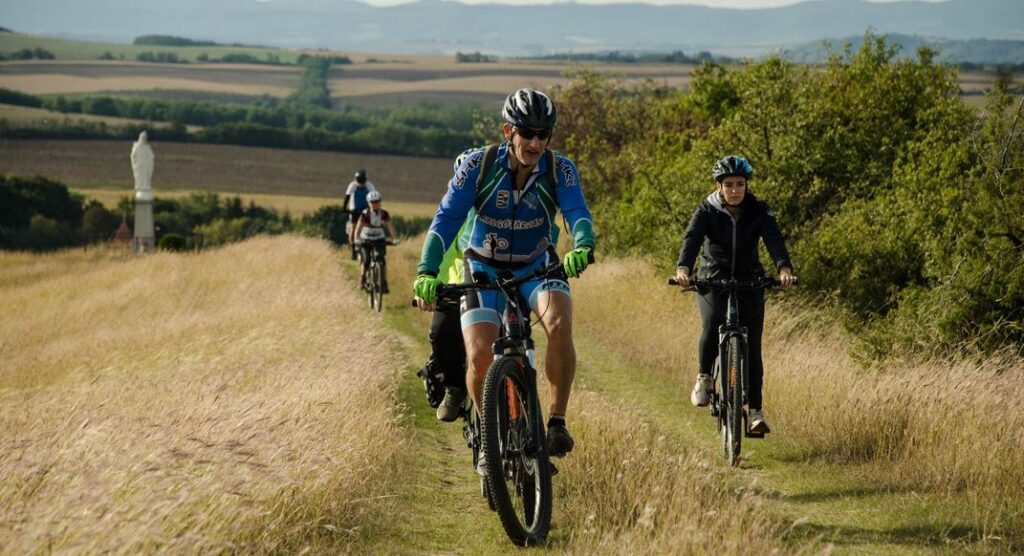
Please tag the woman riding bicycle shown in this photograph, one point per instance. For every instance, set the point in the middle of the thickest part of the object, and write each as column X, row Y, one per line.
column 374, row 225
column 728, row 223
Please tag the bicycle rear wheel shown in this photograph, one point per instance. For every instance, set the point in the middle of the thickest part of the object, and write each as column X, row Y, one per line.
column 518, row 469
column 734, row 401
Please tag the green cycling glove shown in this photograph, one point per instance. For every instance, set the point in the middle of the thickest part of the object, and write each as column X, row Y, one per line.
column 575, row 261
column 425, row 287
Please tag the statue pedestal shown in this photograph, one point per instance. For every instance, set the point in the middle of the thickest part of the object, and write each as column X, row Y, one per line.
column 145, row 237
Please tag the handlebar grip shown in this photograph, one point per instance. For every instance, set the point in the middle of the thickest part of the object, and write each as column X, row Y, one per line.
column 673, row 282
column 590, row 257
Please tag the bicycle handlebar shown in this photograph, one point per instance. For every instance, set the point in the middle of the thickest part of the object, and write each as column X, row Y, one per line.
column 451, row 291
column 721, row 283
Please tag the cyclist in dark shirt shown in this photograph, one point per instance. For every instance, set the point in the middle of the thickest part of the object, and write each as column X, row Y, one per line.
column 728, row 224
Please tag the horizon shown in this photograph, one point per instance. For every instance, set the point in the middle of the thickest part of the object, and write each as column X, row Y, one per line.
column 716, row 4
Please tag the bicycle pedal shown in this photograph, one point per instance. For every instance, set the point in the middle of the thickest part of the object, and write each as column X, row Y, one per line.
column 752, row 434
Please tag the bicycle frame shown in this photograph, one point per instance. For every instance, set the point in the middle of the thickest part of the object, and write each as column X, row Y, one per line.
column 727, row 332
column 510, row 429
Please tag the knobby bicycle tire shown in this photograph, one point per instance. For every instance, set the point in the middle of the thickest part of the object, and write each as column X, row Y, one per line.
column 735, row 405
column 515, row 449
column 471, row 431
column 378, row 286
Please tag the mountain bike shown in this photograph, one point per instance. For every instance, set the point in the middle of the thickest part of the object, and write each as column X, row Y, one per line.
column 373, row 279
column 509, row 432
column 730, row 374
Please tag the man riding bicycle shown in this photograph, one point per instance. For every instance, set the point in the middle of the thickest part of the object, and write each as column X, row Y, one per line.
column 728, row 223
column 370, row 231
column 356, row 202
column 511, row 211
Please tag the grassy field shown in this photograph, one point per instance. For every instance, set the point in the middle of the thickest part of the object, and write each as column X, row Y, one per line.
column 171, row 414
column 208, row 426
column 227, row 169
column 901, row 458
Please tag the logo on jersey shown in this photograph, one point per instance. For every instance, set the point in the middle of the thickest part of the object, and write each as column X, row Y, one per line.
column 502, row 201
column 568, row 172
column 531, row 200
column 462, row 174
column 493, row 243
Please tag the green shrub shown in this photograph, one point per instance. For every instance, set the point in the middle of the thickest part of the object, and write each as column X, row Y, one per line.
column 899, row 202
column 172, row 242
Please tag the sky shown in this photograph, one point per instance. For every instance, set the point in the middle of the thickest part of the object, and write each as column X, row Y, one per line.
column 740, row 4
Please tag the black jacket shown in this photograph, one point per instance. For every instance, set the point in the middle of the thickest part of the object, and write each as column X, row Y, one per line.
column 730, row 245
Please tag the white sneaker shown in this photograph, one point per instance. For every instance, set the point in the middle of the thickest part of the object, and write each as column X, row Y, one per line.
column 701, row 395
column 758, row 423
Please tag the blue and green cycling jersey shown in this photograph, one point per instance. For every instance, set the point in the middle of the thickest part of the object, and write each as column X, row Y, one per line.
column 504, row 226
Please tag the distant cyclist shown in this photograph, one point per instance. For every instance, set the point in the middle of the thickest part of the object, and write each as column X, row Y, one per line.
column 729, row 223
column 371, row 231
column 513, row 207
column 355, row 203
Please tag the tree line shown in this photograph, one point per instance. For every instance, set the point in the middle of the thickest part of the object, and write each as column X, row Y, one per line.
column 38, row 214
column 302, row 121
column 901, row 204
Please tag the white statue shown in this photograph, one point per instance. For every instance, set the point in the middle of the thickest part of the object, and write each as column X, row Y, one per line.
column 142, row 167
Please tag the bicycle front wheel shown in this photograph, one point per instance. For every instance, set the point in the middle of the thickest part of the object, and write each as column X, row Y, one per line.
column 734, row 401
column 518, row 469
column 370, row 280
column 377, row 290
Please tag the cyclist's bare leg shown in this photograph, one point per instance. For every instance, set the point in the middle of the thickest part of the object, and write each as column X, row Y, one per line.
column 479, row 339
column 555, row 312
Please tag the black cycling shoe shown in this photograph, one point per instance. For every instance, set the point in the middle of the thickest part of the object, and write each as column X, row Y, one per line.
column 560, row 442
column 384, row 288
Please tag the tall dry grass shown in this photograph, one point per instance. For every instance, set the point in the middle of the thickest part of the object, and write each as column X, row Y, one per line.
column 629, row 489
column 234, row 400
column 945, row 427
column 632, row 490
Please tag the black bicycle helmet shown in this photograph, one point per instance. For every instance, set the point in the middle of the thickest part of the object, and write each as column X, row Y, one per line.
column 531, row 109
column 732, row 166
column 360, row 175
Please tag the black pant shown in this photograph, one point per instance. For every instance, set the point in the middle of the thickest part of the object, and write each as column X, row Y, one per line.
column 713, row 306
column 379, row 244
column 448, row 352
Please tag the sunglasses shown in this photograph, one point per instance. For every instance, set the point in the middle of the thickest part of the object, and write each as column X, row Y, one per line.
column 527, row 133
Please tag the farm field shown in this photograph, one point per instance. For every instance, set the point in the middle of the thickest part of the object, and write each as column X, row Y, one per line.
column 227, row 169
column 416, row 79
column 86, row 50
column 372, row 80
column 59, row 77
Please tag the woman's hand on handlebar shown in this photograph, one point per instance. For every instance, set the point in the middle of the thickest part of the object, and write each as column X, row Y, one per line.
column 683, row 277
column 786, row 277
